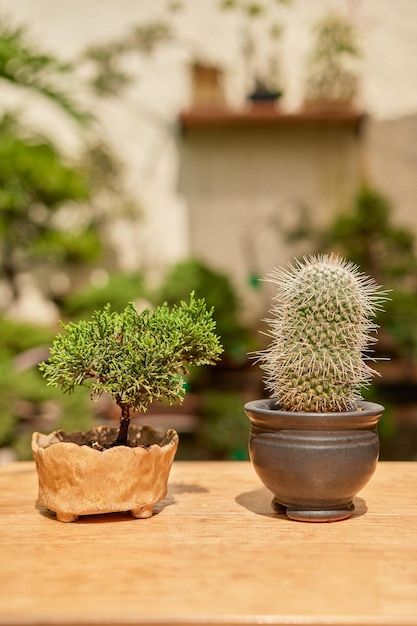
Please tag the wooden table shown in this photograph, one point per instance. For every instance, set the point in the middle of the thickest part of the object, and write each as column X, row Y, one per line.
column 214, row 553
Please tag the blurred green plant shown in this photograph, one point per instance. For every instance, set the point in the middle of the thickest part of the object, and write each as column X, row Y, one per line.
column 18, row 337
column 107, row 62
column 25, row 401
column 54, row 212
column 26, row 66
column 224, row 431
column 118, row 289
column 25, row 406
column 331, row 70
column 218, row 291
column 368, row 236
column 262, row 28
column 36, row 182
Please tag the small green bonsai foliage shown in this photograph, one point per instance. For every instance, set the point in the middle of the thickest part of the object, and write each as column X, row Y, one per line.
column 134, row 357
column 321, row 334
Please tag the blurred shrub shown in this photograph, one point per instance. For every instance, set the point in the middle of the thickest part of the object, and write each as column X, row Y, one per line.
column 368, row 236
column 216, row 288
column 118, row 290
column 22, row 63
column 55, row 212
column 36, row 182
column 17, row 337
column 225, row 428
column 26, row 402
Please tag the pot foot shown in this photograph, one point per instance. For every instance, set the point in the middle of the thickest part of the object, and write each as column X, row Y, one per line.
column 278, row 507
column 324, row 515
column 143, row 512
column 66, row 517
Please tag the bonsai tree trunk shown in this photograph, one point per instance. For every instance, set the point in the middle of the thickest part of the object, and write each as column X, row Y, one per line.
column 122, row 437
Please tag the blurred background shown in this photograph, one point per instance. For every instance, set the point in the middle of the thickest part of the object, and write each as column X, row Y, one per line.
column 149, row 148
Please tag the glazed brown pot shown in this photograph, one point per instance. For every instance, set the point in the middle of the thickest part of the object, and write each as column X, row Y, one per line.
column 314, row 463
column 76, row 479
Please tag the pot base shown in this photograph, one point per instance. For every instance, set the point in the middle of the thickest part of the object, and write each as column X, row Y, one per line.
column 141, row 513
column 314, row 515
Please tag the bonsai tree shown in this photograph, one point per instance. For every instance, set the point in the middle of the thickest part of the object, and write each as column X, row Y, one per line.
column 134, row 357
column 322, row 333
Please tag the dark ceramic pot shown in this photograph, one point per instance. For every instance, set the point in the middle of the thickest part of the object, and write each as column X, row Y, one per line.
column 314, row 463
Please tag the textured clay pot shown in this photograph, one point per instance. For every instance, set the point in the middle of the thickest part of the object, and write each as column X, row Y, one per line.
column 76, row 479
column 314, row 463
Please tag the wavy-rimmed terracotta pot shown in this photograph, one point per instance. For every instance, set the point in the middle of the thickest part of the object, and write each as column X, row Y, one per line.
column 76, row 479
column 314, row 463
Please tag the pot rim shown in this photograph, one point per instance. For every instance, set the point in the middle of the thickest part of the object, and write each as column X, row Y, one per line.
column 268, row 405
column 153, row 438
column 265, row 414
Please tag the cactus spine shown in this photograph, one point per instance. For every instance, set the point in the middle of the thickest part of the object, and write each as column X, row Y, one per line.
column 321, row 334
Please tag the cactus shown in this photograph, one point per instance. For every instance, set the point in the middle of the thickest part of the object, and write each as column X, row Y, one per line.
column 322, row 332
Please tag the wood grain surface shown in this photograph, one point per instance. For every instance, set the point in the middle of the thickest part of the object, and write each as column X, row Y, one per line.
column 214, row 553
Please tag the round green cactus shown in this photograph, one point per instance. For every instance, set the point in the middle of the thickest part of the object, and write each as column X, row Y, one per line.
column 321, row 334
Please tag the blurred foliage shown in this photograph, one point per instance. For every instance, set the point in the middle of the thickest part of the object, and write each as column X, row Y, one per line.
column 101, row 65
column 67, row 247
column 331, row 74
column 26, row 402
column 23, row 64
column 252, row 8
column 17, row 337
column 104, row 168
column 35, row 183
column 387, row 426
column 225, row 427
column 218, row 292
column 53, row 212
column 106, row 62
column 35, row 171
column 261, row 21
column 118, row 289
column 367, row 236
